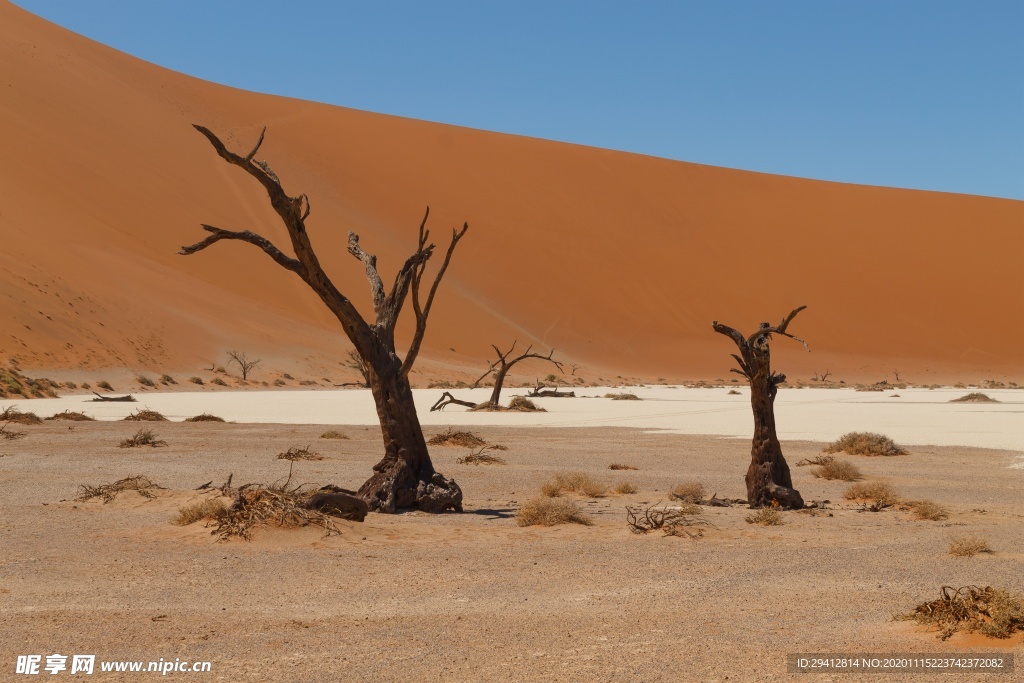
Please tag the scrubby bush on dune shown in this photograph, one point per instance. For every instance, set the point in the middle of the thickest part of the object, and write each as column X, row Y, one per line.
column 928, row 509
column 968, row 546
column 578, row 482
column 838, row 470
column 880, row 492
column 689, row 492
column 209, row 508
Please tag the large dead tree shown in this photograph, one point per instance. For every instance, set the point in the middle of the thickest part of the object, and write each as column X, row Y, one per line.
column 405, row 478
column 768, row 478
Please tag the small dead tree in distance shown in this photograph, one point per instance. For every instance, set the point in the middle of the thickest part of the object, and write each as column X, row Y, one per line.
column 504, row 363
column 768, row 478
column 242, row 359
column 405, row 478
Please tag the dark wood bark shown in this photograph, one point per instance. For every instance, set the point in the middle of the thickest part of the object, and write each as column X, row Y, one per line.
column 768, row 478
column 504, row 363
column 405, row 477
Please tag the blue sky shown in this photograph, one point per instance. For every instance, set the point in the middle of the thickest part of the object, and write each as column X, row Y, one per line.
column 925, row 94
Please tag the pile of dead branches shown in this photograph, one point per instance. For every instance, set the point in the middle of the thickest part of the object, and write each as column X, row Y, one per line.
column 108, row 492
column 680, row 520
column 12, row 414
column 482, row 456
column 294, row 453
column 989, row 611
column 146, row 415
column 450, row 437
column 73, row 416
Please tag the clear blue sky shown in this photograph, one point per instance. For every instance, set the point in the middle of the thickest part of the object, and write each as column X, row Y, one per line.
column 924, row 94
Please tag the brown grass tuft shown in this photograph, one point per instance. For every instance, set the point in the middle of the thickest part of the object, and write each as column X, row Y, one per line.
column 620, row 466
column 840, row 470
column 69, row 415
column 450, row 437
column 204, row 417
column 882, row 493
column 295, row 453
column 928, row 509
column 992, row 612
column 104, row 384
column 525, row 405
column 865, row 443
column 146, row 415
column 196, row 380
column 333, row 434
column 623, row 397
column 209, row 508
column 975, row 397
column 625, row 487
column 143, row 437
column 968, row 546
column 218, row 381
column 765, row 517
column 12, row 414
column 578, row 482
column 548, row 512
column 690, row 492
column 108, row 492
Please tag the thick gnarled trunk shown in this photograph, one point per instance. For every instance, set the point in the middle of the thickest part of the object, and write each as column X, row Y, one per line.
column 405, row 478
column 768, row 478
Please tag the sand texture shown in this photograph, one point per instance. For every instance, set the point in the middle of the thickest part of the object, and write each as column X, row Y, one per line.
column 474, row 597
column 619, row 261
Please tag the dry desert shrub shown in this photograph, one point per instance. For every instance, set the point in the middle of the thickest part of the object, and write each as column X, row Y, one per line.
column 210, row 508
column 733, row 392
column 968, row 546
column 145, row 381
column 689, row 492
column 265, row 505
column 481, row 456
column 167, row 379
column 840, row 470
column 73, row 416
column 196, row 380
column 928, row 509
column 678, row 520
column 218, row 381
column 992, row 612
column 549, row 512
column 10, row 434
column 620, row 466
column 146, row 415
column 295, row 453
column 625, row 487
column 450, row 437
column 865, row 443
column 144, row 485
column 623, row 397
column 143, row 437
column 882, row 493
column 333, row 434
column 578, row 482
column 12, row 414
column 975, row 397
column 765, row 517
column 524, row 405
column 817, row 460
column 104, row 384
column 204, row 417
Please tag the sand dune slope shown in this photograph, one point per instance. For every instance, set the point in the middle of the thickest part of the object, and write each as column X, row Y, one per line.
column 620, row 261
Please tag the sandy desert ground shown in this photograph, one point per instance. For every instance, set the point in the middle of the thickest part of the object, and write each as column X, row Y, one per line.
column 474, row 597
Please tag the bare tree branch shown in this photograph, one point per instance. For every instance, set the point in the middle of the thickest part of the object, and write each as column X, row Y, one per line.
column 370, row 262
column 263, row 243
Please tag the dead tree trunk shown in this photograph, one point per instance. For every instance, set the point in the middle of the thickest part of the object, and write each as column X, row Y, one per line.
column 405, row 477
column 768, row 479
column 503, row 364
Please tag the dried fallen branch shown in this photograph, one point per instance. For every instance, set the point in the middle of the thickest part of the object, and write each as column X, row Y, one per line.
column 127, row 398
column 482, row 457
column 144, row 485
column 990, row 611
column 672, row 521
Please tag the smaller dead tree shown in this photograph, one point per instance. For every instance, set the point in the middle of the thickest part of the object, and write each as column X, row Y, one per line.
column 242, row 359
column 354, row 362
column 768, row 479
column 500, row 367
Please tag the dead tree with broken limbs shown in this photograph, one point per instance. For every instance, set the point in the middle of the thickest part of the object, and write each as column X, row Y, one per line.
column 768, row 479
column 405, row 478
column 499, row 368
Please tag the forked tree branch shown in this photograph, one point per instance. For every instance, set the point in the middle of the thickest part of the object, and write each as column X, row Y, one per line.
column 217, row 234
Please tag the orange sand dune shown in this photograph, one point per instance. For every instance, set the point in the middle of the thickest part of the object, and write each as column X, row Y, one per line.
column 620, row 261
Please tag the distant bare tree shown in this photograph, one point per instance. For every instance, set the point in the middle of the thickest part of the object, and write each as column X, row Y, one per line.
column 356, row 363
column 242, row 359
column 405, row 477
column 499, row 368
column 768, row 478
